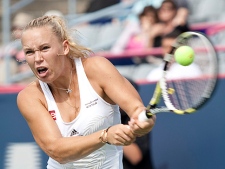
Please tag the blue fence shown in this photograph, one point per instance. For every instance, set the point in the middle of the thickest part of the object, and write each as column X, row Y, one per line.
column 194, row 141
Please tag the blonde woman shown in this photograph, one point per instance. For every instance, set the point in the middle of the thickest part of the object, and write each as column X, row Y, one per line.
column 72, row 108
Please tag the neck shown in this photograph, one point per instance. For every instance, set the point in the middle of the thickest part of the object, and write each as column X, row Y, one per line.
column 68, row 89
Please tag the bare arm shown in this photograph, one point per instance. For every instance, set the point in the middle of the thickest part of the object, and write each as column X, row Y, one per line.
column 46, row 133
column 112, row 86
column 181, row 16
column 117, row 89
column 133, row 153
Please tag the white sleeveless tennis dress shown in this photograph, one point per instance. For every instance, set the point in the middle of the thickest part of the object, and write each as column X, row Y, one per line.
column 95, row 114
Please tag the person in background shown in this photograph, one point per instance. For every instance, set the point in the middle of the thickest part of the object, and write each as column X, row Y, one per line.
column 146, row 37
column 13, row 50
column 72, row 108
column 19, row 22
column 138, row 154
column 163, row 17
column 16, row 52
column 154, row 22
column 173, row 17
column 176, row 70
column 141, row 36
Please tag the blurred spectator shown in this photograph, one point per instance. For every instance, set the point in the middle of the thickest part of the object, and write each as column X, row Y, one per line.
column 14, row 48
column 153, row 25
column 137, row 155
column 19, row 22
column 172, row 14
column 142, row 35
column 147, row 34
column 176, row 71
column 138, row 6
column 173, row 17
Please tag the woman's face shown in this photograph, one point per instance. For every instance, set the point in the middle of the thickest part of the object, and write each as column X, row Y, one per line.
column 166, row 12
column 42, row 48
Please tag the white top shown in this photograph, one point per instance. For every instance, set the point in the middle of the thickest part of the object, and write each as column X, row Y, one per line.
column 95, row 114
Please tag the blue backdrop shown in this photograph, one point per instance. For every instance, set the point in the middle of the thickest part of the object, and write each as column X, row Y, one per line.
column 195, row 141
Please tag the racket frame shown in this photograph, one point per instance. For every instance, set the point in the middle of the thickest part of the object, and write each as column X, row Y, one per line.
column 161, row 89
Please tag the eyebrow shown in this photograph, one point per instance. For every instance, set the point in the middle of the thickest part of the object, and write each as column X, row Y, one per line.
column 30, row 48
column 26, row 48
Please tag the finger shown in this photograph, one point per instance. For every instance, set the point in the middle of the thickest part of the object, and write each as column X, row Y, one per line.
column 127, row 136
column 139, row 130
column 124, row 138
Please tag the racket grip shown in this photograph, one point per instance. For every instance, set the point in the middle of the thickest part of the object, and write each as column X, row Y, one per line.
column 144, row 115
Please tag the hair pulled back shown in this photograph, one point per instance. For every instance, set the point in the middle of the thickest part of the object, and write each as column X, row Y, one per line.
column 59, row 28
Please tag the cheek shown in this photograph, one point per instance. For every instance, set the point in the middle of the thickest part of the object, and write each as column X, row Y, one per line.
column 55, row 62
column 29, row 61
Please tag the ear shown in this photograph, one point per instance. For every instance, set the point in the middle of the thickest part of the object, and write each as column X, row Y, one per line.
column 66, row 48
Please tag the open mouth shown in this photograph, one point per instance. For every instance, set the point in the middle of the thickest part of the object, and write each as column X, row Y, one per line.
column 42, row 70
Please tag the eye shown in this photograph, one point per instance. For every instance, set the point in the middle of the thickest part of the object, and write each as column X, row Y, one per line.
column 45, row 48
column 29, row 52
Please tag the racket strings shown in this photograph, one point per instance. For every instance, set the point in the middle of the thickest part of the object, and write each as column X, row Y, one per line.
column 204, row 54
column 192, row 84
column 186, row 93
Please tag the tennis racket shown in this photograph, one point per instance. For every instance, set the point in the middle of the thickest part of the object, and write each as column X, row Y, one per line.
column 190, row 91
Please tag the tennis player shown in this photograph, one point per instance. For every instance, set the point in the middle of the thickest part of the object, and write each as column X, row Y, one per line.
column 72, row 108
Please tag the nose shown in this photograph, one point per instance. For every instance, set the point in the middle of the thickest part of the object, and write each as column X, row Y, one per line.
column 38, row 55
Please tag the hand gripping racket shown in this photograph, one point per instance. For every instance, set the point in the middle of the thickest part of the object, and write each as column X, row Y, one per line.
column 186, row 93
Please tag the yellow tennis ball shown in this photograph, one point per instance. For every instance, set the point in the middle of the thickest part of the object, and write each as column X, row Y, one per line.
column 184, row 55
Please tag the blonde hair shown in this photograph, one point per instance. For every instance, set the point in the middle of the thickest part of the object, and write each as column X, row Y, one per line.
column 58, row 26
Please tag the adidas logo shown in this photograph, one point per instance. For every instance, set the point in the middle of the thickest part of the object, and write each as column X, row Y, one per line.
column 74, row 132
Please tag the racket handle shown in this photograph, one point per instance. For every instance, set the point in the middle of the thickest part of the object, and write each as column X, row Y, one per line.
column 144, row 115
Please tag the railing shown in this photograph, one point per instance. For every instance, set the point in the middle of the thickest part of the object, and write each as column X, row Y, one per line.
column 120, row 9
column 114, row 11
column 129, row 54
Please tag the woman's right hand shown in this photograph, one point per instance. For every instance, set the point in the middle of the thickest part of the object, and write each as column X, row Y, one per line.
column 121, row 135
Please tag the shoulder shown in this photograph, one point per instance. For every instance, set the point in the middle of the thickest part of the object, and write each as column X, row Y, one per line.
column 33, row 86
column 97, row 64
column 30, row 94
column 95, row 60
column 100, row 71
